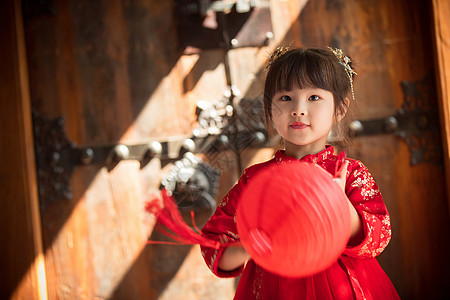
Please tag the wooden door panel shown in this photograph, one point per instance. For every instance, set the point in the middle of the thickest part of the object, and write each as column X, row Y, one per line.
column 114, row 71
column 104, row 75
column 116, row 78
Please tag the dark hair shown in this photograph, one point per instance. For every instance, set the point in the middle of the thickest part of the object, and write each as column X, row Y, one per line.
column 306, row 68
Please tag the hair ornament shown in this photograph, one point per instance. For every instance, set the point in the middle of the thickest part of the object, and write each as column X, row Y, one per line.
column 345, row 62
column 279, row 51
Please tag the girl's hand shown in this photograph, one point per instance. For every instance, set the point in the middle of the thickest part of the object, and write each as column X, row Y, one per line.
column 233, row 257
column 341, row 178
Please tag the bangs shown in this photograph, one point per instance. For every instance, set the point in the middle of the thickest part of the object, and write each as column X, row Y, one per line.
column 303, row 71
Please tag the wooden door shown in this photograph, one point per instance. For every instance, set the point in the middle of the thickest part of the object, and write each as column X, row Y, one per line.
column 113, row 70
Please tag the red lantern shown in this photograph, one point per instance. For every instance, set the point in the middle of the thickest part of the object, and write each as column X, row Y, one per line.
column 293, row 219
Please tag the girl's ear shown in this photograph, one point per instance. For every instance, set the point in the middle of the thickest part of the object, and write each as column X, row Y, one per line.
column 342, row 111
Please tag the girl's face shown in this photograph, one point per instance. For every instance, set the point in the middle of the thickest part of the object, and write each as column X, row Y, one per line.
column 303, row 118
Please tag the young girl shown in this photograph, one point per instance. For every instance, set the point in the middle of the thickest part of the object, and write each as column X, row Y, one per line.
column 307, row 92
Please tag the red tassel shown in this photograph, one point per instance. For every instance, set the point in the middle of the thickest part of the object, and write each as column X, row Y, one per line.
column 169, row 216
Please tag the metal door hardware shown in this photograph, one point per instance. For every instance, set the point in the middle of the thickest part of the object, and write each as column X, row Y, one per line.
column 205, row 24
column 219, row 128
column 193, row 184
column 222, row 127
column 202, row 7
column 416, row 122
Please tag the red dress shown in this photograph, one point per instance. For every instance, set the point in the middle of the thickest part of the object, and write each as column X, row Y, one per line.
column 355, row 275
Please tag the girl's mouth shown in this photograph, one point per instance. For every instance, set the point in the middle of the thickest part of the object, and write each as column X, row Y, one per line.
column 298, row 125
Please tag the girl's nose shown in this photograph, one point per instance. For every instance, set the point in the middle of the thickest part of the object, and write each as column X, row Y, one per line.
column 298, row 113
column 299, row 108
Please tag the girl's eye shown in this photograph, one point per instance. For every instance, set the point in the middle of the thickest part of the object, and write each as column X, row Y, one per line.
column 285, row 98
column 314, row 98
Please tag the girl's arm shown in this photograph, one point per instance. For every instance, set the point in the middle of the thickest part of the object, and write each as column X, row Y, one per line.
column 371, row 237
column 233, row 257
column 227, row 261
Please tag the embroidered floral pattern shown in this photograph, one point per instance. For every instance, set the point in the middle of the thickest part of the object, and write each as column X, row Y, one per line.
column 257, row 284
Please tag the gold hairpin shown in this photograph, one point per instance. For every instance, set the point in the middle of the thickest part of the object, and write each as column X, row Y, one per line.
column 279, row 51
column 345, row 61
